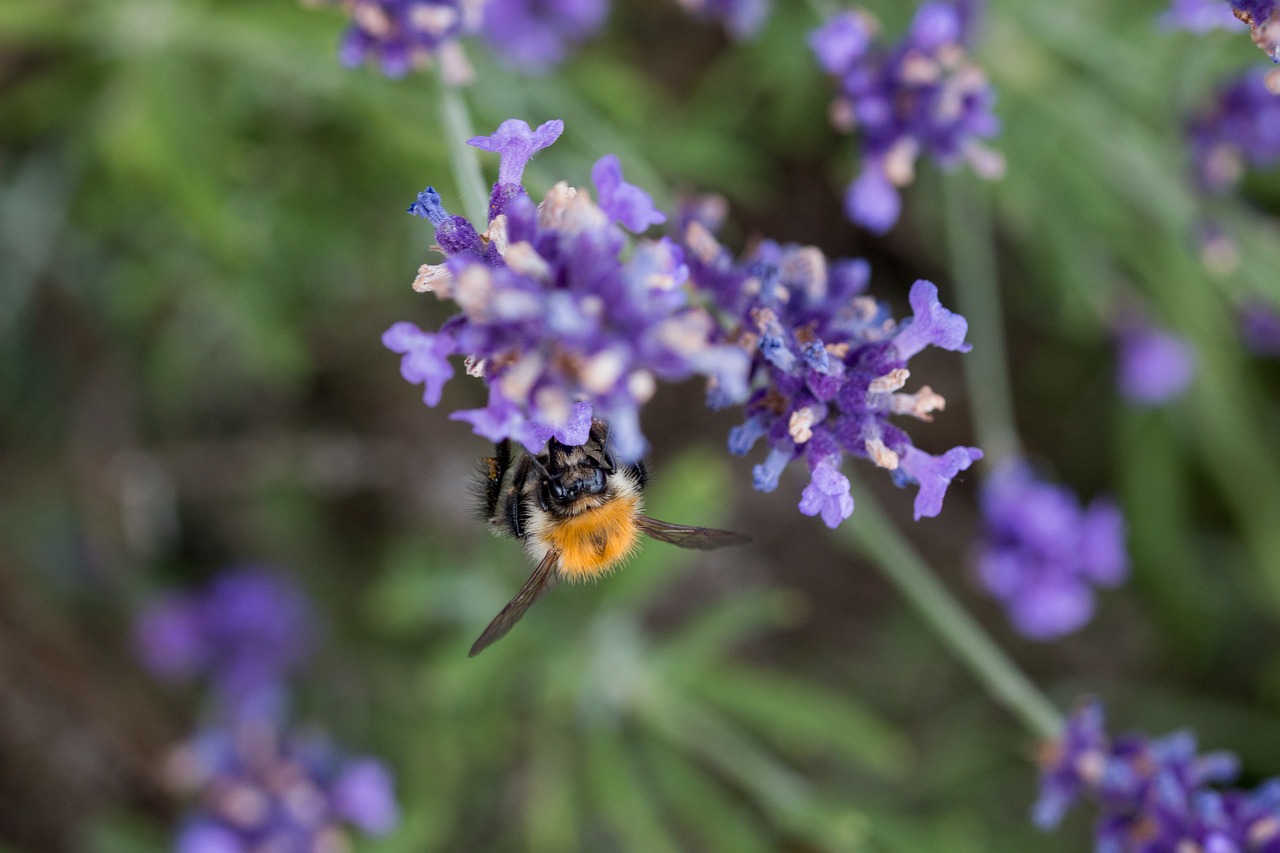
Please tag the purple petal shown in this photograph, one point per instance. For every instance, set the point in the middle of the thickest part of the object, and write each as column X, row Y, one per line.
column 168, row 638
column 934, row 474
column 1052, row 607
column 1102, row 543
column 935, row 25
column 426, row 358
column 364, row 795
column 1154, row 366
column 205, row 836
column 496, row 421
column 840, row 42
column 932, row 324
column 828, row 494
column 625, row 203
column 872, row 201
column 516, row 144
column 764, row 477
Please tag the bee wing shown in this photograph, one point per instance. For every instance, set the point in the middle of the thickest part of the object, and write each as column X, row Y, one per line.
column 702, row 538
column 542, row 579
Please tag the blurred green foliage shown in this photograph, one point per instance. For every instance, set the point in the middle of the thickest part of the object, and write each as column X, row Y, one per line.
column 202, row 236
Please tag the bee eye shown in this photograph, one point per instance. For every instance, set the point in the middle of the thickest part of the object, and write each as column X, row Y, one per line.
column 558, row 490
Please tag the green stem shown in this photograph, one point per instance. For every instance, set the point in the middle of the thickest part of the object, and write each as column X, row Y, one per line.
column 971, row 246
column 872, row 533
column 466, row 166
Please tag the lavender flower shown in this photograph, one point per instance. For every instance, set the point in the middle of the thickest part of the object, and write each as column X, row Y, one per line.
column 536, row 34
column 245, row 630
column 259, row 789
column 741, row 18
column 1154, row 365
column 1200, row 16
column 1263, row 18
column 1041, row 553
column 1239, row 128
column 828, row 367
column 1154, row 795
column 921, row 96
column 562, row 314
column 1260, row 328
column 401, row 35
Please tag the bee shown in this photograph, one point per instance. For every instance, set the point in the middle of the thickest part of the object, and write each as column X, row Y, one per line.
column 578, row 512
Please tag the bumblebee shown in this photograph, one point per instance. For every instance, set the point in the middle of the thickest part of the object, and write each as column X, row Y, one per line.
column 578, row 513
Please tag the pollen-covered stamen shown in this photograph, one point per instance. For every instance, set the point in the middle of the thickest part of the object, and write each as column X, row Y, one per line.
column 433, row 20
column 1263, row 830
column 602, row 371
column 554, row 208
column 800, row 426
column 891, row 381
column 900, row 161
column 524, row 259
column 371, row 18
column 496, row 234
column 921, row 404
column 879, row 453
column 518, row 380
column 474, row 366
column 687, row 333
column 641, row 385
column 473, row 290
column 1091, row 765
column 434, row 278
column 701, row 242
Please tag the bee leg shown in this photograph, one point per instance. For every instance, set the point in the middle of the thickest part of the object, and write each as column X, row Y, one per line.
column 514, row 513
column 638, row 470
column 493, row 469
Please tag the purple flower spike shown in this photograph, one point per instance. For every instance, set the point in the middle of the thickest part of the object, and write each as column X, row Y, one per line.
column 932, row 324
column 426, row 358
column 401, row 35
column 1153, row 794
column 829, row 366
column 534, row 35
column 257, row 787
column 561, row 312
column 920, row 97
column 1042, row 554
column 1236, row 129
column 1155, row 366
column 827, row 494
column 246, row 630
column 934, row 474
column 626, row 204
column 515, row 144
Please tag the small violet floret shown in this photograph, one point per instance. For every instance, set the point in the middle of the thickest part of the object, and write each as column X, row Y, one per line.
column 534, row 35
column 1154, row 366
column 921, row 96
column 740, row 18
column 1235, row 130
column 402, row 35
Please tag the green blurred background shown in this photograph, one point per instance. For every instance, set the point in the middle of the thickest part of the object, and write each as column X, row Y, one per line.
column 202, row 237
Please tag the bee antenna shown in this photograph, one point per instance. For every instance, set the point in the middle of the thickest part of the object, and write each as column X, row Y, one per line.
column 542, row 469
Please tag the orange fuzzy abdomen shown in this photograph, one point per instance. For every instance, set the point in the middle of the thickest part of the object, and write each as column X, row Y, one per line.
column 593, row 541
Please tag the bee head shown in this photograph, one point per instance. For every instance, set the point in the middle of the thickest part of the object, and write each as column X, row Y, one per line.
column 570, row 474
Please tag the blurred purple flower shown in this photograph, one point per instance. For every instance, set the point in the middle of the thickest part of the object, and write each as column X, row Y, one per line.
column 1153, row 795
column 246, row 630
column 1260, row 328
column 562, row 313
column 1263, row 18
column 1041, row 554
column 741, row 18
column 922, row 96
column 401, row 35
column 256, row 788
column 829, row 364
column 1154, row 366
column 1200, row 16
column 537, row 34
column 1240, row 127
